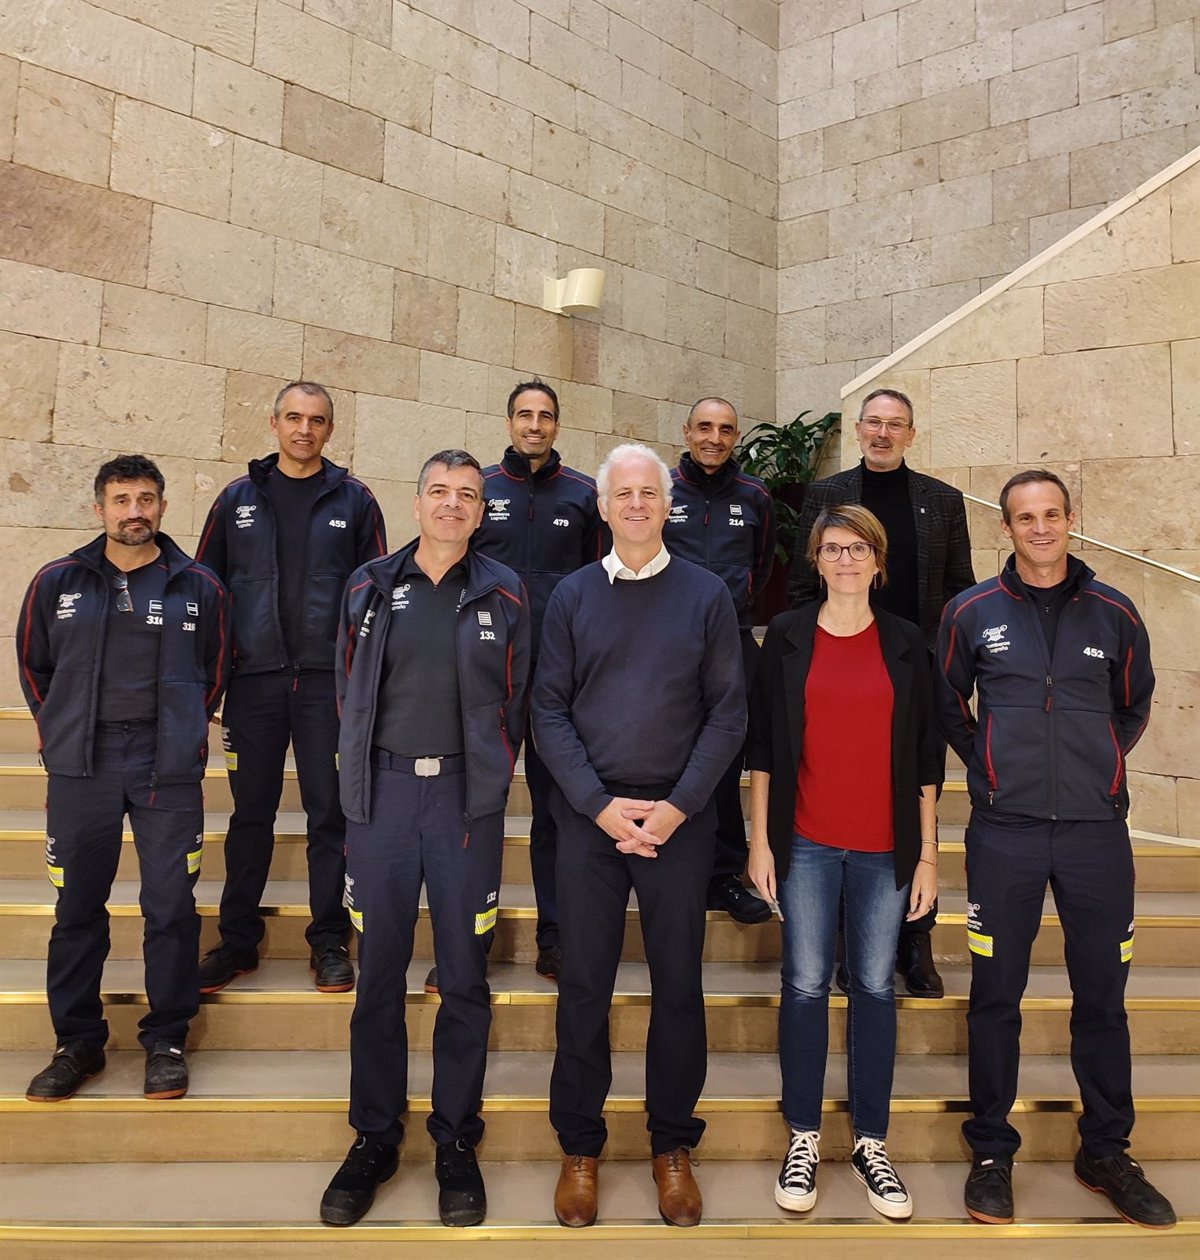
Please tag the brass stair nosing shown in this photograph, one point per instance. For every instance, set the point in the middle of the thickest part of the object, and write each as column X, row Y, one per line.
column 549, row 997
column 648, row 1230
column 14, row 1104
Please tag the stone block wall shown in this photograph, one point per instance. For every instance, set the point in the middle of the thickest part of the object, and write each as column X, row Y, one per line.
column 929, row 147
column 1089, row 364
column 201, row 199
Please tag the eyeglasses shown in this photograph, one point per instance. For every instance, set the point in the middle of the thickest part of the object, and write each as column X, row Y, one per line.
column 832, row 552
column 894, row 427
column 121, row 586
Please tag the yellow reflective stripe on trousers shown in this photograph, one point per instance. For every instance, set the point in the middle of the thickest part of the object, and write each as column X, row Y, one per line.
column 356, row 920
column 193, row 861
column 485, row 922
column 979, row 944
column 1127, row 950
column 55, row 875
column 230, row 761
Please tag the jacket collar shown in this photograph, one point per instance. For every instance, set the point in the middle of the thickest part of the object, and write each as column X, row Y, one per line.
column 517, row 465
column 710, row 483
column 800, row 633
column 1079, row 575
column 261, row 469
column 482, row 574
column 91, row 555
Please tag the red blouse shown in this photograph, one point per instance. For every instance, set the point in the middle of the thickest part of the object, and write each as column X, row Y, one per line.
column 844, row 783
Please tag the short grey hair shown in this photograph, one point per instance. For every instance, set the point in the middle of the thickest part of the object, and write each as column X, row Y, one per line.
column 310, row 388
column 452, row 458
column 626, row 451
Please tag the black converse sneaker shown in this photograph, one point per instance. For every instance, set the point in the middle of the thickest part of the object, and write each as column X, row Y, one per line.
column 796, row 1188
column 885, row 1190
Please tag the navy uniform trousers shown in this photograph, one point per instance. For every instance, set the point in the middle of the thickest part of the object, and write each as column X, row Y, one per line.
column 1089, row 867
column 594, row 881
column 84, row 819
column 417, row 835
column 732, row 848
column 262, row 712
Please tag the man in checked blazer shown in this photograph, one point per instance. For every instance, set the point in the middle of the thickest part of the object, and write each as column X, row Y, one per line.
column 929, row 562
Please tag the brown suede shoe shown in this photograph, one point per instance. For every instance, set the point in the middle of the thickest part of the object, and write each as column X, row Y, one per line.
column 575, row 1194
column 678, row 1193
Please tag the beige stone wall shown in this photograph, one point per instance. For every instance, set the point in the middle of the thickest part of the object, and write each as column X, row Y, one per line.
column 929, row 147
column 1090, row 365
column 200, row 199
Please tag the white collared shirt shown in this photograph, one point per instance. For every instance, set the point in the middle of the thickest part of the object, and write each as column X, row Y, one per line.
column 614, row 567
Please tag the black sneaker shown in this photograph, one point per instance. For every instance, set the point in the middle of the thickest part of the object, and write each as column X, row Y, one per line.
column 61, row 1078
column 166, row 1071
column 1123, row 1180
column 431, row 984
column 886, row 1193
column 221, row 965
column 988, row 1193
column 732, row 896
column 796, row 1188
column 461, row 1196
column 549, row 962
column 368, row 1164
column 333, row 970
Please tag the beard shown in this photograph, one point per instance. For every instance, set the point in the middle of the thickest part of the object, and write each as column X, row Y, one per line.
column 135, row 533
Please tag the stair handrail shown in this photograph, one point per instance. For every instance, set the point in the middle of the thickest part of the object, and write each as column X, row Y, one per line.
column 1096, row 542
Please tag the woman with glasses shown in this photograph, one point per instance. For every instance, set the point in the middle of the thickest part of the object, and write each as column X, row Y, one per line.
column 844, row 769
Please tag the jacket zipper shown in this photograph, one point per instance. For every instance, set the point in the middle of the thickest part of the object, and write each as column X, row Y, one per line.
column 991, row 769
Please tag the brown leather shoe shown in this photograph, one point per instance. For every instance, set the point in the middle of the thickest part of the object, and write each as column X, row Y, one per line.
column 575, row 1194
column 678, row 1193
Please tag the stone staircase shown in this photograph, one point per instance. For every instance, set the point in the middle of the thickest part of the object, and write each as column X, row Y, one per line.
column 237, row 1167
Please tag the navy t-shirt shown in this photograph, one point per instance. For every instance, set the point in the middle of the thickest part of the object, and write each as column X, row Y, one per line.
column 132, row 644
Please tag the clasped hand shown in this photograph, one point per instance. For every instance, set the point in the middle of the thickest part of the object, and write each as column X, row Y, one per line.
column 639, row 827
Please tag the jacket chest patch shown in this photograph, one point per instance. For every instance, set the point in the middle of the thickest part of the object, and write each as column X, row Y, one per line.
column 66, row 606
column 244, row 515
column 400, row 596
column 678, row 515
column 497, row 509
column 995, row 639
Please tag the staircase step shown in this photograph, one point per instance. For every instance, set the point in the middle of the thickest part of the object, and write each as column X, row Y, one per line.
column 1164, row 864
column 278, row 1007
column 271, row 1105
column 257, row 1205
column 1167, row 925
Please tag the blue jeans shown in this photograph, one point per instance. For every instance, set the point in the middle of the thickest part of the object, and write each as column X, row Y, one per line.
column 818, row 879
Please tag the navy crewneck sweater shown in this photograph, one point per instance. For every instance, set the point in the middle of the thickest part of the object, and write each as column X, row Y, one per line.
column 639, row 683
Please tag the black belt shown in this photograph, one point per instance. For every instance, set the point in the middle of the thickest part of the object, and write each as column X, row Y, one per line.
column 422, row 767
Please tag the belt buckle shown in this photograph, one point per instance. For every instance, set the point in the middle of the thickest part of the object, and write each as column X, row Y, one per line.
column 427, row 767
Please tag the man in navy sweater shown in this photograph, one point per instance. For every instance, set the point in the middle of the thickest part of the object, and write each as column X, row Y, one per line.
column 723, row 519
column 638, row 708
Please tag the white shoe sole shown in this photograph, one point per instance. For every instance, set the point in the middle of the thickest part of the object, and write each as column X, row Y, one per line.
column 885, row 1207
column 792, row 1202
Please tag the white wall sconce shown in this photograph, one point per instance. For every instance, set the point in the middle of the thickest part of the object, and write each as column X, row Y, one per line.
column 580, row 291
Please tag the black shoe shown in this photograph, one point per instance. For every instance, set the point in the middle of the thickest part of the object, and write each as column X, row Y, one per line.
column 1123, row 1180
column 334, row 972
column 61, row 1078
column 431, row 984
column 166, row 1071
column 988, row 1193
column 731, row 895
column 549, row 962
column 221, row 965
column 349, row 1196
column 461, row 1197
column 914, row 961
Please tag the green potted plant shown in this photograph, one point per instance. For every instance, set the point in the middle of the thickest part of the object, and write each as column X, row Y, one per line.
column 786, row 457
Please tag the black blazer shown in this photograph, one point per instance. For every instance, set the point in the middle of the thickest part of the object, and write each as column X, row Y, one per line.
column 776, row 732
column 943, row 545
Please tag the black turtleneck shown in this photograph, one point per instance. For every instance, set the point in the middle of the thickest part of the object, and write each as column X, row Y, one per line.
column 709, row 482
column 886, row 495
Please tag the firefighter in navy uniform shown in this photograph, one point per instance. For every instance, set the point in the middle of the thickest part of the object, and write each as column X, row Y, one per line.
column 1060, row 665
column 540, row 519
column 723, row 519
column 432, row 671
column 122, row 651
column 284, row 538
